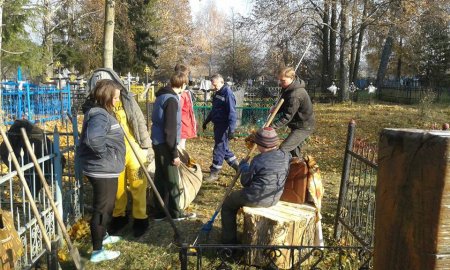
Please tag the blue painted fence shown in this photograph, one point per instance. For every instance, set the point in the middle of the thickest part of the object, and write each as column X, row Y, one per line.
column 36, row 103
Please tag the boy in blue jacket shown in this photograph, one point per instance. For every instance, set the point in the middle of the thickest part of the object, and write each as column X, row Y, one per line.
column 223, row 116
column 263, row 181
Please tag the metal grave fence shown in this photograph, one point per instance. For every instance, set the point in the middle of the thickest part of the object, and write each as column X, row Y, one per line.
column 355, row 216
column 57, row 163
column 36, row 103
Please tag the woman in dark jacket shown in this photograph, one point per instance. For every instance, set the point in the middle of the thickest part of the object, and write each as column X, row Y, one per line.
column 102, row 156
column 296, row 112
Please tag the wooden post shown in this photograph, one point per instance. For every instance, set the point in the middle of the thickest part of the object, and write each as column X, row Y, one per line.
column 413, row 197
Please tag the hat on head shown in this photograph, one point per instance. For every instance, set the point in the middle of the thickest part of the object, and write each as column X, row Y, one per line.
column 266, row 137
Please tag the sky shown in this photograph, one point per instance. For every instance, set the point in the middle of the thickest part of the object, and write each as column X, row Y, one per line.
column 239, row 6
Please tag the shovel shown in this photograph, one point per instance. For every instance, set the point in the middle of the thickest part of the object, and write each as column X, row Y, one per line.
column 27, row 190
column 208, row 226
column 73, row 250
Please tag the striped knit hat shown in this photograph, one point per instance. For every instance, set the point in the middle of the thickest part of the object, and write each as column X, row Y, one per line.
column 266, row 137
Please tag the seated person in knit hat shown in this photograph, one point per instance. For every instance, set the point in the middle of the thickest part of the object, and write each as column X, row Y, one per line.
column 263, row 181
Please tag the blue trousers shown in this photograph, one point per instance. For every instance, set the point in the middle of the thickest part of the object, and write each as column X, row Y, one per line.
column 221, row 150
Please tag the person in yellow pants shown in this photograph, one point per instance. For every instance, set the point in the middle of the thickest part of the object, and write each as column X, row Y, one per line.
column 131, row 179
column 131, row 118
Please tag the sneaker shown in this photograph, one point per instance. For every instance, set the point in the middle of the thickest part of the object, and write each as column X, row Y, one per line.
column 110, row 239
column 103, row 255
column 185, row 216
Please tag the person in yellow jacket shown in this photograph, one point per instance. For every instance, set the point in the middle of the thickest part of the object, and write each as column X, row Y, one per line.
column 132, row 178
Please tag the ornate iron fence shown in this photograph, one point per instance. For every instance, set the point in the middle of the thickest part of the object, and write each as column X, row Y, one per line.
column 66, row 189
column 224, row 257
column 355, row 217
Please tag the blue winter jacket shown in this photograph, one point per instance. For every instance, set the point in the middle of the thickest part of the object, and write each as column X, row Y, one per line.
column 102, row 146
column 223, row 110
column 264, row 180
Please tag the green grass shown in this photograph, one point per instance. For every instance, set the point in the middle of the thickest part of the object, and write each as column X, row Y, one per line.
column 155, row 249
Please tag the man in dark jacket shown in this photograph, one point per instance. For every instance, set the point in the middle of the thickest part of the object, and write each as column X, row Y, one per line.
column 263, row 182
column 223, row 116
column 296, row 112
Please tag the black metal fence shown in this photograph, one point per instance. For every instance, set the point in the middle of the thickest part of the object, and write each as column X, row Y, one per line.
column 221, row 257
column 354, row 223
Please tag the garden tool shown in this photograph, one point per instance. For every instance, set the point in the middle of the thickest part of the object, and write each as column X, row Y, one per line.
column 72, row 249
column 208, row 226
column 177, row 237
column 27, row 190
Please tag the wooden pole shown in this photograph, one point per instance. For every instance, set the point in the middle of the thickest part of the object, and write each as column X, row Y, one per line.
column 412, row 224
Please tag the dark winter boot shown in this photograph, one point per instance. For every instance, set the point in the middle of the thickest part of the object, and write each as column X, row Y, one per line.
column 140, row 227
column 117, row 224
column 213, row 176
column 235, row 165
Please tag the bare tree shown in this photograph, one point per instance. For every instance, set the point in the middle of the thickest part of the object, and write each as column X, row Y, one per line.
column 108, row 34
column 344, row 52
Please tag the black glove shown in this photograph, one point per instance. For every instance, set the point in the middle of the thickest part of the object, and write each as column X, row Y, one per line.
column 204, row 125
column 230, row 135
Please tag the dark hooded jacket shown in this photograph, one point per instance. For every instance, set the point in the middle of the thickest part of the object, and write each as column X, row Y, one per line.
column 297, row 110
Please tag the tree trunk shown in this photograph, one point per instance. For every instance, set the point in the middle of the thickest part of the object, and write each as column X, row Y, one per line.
column 1, row 33
column 282, row 224
column 360, row 42
column 1, row 72
column 333, row 38
column 343, row 55
column 385, row 55
column 325, row 43
column 108, row 34
column 48, row 39
column 399, row 61
column 353, row 39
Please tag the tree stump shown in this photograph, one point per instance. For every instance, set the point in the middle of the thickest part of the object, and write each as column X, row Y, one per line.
column 412, row 224
column 286, row 224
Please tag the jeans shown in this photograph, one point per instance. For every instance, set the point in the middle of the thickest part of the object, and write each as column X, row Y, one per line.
column 294, row 142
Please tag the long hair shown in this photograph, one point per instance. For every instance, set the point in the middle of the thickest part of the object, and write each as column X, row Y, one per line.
column 103, row 94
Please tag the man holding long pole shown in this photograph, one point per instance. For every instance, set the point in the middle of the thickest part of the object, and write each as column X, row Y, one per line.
column 296, row 112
